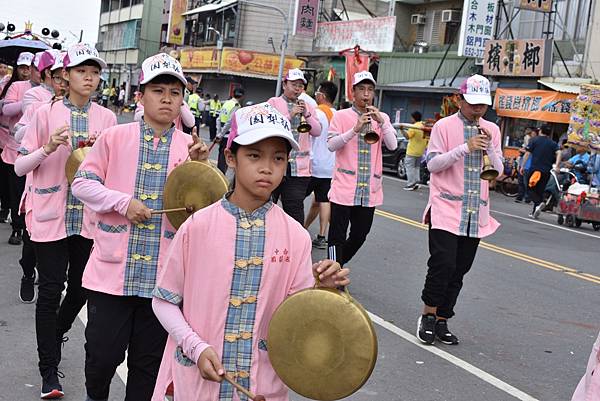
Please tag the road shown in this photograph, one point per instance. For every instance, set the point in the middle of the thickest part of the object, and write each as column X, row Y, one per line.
column 525, row 317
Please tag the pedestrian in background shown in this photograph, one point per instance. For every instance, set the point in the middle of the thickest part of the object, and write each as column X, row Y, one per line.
column 194, row 104
column 458, row 211
column 224, row 124
column 214, row 106
column 523, row 178
column 417, row 143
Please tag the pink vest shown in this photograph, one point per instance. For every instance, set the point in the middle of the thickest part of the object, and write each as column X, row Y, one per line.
column 343, row 184
column 303, row 155
column 15, row 93
column 446, row 187
column 46, row 221
column 205, row 284
column 105, row 270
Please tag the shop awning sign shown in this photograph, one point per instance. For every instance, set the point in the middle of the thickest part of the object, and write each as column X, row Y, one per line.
column 518, row 58
column 536, row 5
column 307, row 13
column 478, row 22
column 540, row 105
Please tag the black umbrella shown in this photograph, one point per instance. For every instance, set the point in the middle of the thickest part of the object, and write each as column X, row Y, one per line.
column 11, row 48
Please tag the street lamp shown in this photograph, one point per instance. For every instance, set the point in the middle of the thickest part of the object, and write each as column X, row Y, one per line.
column 219, row 46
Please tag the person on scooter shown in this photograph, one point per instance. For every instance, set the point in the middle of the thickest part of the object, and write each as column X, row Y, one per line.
column 578, row 164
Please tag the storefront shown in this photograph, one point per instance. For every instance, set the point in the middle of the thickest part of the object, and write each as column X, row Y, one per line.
column 221, row 71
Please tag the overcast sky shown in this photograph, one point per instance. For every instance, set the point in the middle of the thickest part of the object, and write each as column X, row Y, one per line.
column 62, row 15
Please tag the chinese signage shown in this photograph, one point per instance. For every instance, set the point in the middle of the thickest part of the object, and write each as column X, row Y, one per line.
column 478, row 22
column 176, row 27
column 538, row 105
column 232, row 60
column 374, row 34
column 307, row 12
column 537, row 5
column 522, row 58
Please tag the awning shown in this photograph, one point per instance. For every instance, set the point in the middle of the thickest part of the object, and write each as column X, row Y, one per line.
column 211, row 7
column 564, row 85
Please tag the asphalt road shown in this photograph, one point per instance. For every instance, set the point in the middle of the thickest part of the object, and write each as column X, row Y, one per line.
column 525, row 317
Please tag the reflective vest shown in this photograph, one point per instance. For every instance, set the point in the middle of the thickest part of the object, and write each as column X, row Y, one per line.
column 214, row 107
column 193, row 102
column 226, row 110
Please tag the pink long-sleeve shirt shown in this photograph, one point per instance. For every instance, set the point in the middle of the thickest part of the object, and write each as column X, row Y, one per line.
column 588, row 388
column 12, row 110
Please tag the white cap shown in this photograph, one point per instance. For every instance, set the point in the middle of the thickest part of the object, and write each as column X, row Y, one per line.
column 81, row 52
column 58, row 61
column 47, row 59
column 295, row 74
column 476, row 90
column 363, row 76
column 161, row 64
column 258, row 122
column 25, row 58
column 36, row 59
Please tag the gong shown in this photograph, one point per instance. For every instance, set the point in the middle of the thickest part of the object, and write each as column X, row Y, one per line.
column 192, row 185
column 74, row 161
column 322, row 344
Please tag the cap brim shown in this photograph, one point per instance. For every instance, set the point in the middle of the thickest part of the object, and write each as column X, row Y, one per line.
column 365, row 79
column 254, row 137
column 478, row 99
column 98, row 60
column 297, row 79
column 150, row 78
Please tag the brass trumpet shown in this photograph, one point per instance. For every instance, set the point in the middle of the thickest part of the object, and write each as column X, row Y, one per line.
column 488, row 172
column 304, row 126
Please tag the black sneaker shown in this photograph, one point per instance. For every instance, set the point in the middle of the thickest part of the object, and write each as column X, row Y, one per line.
column 517, row 200
column 4, row 215
column 443, row 334
column 410, row 187
column 426, row 328
column 320, row 242
column 51, row 388
column 28, row 292
column 15, row 238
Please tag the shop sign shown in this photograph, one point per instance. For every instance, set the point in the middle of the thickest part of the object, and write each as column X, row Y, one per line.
column 373, row 34
column 537, row 5
column 521, row 58
column 540, row 105
column 206, row 58
column 478, row 22
column 176, row 28
column 307, row 13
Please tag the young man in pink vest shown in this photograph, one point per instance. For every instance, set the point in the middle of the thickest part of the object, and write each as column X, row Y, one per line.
column 458, row 212
column 356, row 188
column 294, row 186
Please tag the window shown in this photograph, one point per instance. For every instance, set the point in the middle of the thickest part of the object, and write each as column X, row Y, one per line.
column 104, row 6
column 115, row 5
column 125, row 3
column 134, row 2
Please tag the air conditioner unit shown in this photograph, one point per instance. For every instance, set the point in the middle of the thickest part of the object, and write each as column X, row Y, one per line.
column 417, row 19
column 451, row 15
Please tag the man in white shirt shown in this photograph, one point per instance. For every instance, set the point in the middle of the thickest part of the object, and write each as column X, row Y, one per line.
column 322, row 164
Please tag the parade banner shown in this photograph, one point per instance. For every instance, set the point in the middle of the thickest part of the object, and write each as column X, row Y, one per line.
column 307, row 13
column 176, row 29
column 246, row 61
column 374, row 34
column 477, row 27
column 206, row 58
column 355, row 62
column 536, row 5
column 519, row 58
column 540, row 105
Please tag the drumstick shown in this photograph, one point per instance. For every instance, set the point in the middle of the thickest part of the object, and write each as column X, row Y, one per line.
column 212, row 145
column 188, row 209
column 243, row 390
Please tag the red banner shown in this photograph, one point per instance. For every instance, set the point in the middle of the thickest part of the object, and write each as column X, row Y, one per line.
column 355, row 62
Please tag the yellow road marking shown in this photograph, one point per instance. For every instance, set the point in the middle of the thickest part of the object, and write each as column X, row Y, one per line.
column 504, row 251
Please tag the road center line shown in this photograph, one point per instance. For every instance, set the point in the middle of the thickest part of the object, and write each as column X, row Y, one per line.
column 488, row 378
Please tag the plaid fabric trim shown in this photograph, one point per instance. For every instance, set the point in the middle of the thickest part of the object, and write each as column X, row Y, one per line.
column 43, row 191
column 262, row 344
column 469, row 214
column 459, row 198
column 88, row 175
column 363, row 179
column 23, row 151
column 144, row 239
column 181, row 358
column 239, row 324
column 344, row 171
column 167, row 295
column 169, row 234
column 294, row 123
column 121, row 228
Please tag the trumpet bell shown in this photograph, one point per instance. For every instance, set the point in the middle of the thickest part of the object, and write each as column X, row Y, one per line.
column 488, row 174
column 304, row 127
column 371, row 137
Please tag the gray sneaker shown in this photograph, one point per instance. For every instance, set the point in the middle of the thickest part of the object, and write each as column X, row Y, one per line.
column 320, row 242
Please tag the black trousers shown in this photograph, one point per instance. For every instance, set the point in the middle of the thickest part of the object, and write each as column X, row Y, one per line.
column 4, row 185
column 537, row 193
column 212, row 127
column 58, row 261
column 28, row 259
column 451, row 257
column 221, row 163
column 292, row 192
column 17, row 186
column 360, row 219
column 115, row 324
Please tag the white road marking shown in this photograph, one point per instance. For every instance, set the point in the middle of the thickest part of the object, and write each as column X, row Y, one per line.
column 530, row 220
column 494, row 381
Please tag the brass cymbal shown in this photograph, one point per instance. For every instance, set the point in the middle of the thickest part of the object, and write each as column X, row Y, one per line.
column 322, row 344
column 74, row 161
column 192, row 184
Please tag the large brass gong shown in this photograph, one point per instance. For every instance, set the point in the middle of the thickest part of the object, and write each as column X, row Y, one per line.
column 322, row 344
column 193, row 185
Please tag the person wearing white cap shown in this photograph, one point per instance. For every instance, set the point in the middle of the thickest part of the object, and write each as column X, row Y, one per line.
column 122, row 180
column 458, row 211
column 272, row 255
column 356, row 188
column 12, row 110
column 61, row 228
column 293, row 188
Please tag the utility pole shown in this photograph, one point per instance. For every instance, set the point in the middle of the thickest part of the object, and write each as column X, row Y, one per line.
column 392, row 8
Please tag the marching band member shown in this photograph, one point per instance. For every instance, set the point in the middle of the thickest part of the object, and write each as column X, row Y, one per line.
column 206, row 295
column 356, row 188
column 122, row 179
column 184, row 119
column 294, row 186
column 60, row 226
